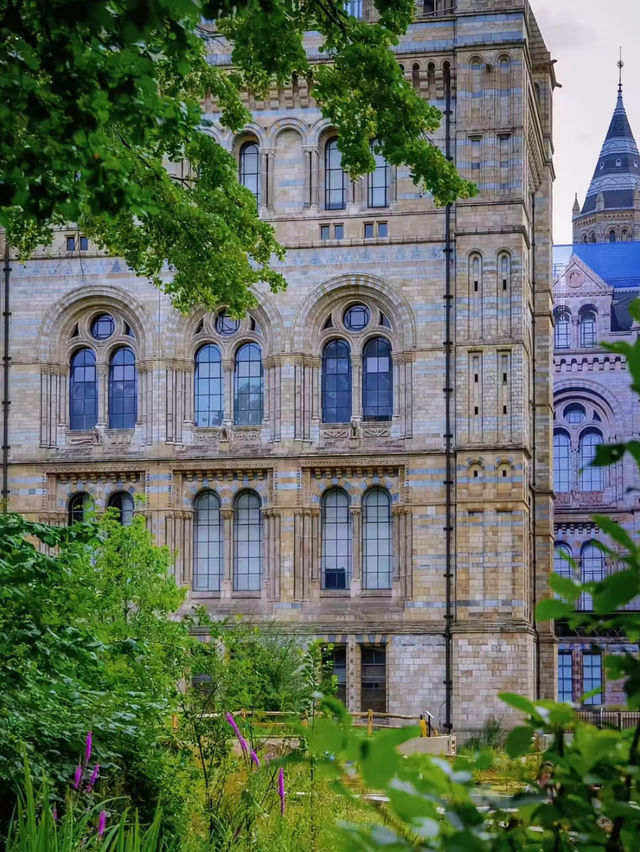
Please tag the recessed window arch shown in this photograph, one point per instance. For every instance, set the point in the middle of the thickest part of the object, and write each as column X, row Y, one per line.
column 83, row 390
column 122, row 389
column 248, row 385
column 612, row 236
column 377, row 380
column 77, row 507
column 591, row 478
column 592, row 570
column 378, row 182
column 561, row 337
column 208, row 386
column 102, row 326
column 356, row 317
column 574, row 413
column 335, row 195
column 226, row 325
column 247, row 542
column 561, row 462
column 561, row 565
column 336, row 382
column 123, row 503
column 249, row 168
column 336, row 540
column 377, row 549
column 588, row 328
column 208, row 543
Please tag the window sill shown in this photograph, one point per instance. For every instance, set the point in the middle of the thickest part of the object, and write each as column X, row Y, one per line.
column 376, row 593
column 335, row 593
column 204, row 594
column 241, row 593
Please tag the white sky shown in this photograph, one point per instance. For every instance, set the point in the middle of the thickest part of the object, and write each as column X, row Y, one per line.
column 585, row 37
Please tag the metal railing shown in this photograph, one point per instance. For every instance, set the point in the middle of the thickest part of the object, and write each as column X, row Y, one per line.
column 622, row 720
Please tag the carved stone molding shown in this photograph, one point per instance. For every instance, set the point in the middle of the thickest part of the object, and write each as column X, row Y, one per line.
column 376, row 432
column 246, row 436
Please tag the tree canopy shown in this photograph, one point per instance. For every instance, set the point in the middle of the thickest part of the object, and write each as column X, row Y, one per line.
column 96, row 97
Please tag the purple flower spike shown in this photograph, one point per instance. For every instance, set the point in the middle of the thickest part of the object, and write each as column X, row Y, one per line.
column 236, row 730
column 94, row 778
column 54, row 813
column 281, row 792
column 102, row 821
column 88, row 747
column 255, row 759
column 77, row 777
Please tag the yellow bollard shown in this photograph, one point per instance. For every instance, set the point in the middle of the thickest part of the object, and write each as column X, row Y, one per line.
column 423, row 726
column 369, row 722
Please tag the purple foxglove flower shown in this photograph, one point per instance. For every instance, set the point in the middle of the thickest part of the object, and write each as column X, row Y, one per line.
column 255, row 759
column 236, row 730
column 54, row 813
column 88, row 746
column 102, row 821
column 281, row 792
column 94, row 777
column 77, row 777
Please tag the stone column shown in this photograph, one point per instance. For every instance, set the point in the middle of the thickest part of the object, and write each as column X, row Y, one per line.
column 103, row 397
column 356, row 386
column 227, row 378
column 226, row 585
column 356, row 551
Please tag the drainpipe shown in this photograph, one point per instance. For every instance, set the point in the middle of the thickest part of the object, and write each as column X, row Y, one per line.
column 534, row 455
column 449, row 450
column 4, row 494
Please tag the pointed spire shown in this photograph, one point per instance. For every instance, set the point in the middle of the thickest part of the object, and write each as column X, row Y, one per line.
column 620, row 67
column 576, row 207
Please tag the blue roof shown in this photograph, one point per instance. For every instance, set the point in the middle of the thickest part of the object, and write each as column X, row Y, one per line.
column 618, row 264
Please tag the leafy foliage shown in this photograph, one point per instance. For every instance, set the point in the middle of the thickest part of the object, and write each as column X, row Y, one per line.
column 96, row 98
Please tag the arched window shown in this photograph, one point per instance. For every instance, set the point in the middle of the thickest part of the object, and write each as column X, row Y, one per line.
column 250, row 168
column 334, row 177
column 561, row 463
column 591, row 478
column 83, row 390
column 208, row 386
column 588, row 329
column 377, row 557
column 123, row 503
column 561, row 553
column 591, row 571
column 575, row 414
column 207, row 543
column 585, row 238
column 563, row 324
column 377, row 380
column 248, row 386
column 247, row 542
column 122, row 389
column 77, row 508
column 378, row 183
column 612, row 236
column 336, row 382
column 336, row 540
column 592, row 237
column 625, row 236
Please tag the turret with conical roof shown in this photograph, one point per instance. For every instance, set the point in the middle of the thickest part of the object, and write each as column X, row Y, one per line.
column 611, row 211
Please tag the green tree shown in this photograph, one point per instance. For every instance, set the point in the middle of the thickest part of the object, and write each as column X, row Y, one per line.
column 96, row 97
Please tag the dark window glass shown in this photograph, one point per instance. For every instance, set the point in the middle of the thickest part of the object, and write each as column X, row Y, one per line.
column 250, row 168
column 77, row 508
column 226, row 325
column 103, row 327
column 334, row 178
column 373, row 671
column 368, row 230
column 560, row 564
column 325, row 232
column 383, row 229
column 612, row 234
column 336, row 382
column 84, row 243
column 575, row 413
column 565, row 676
column 338, row 232
column 247, row 542
column 123, row 502
column 336, row 658
column 83, row 390
column 356, row 317
column 207, row 543
column 208, row 386
column 248, row 386
column 588, row 329
column 592, row 570
column 592, row 677
column 354, row 8
column 377, row 380
column 336, row 540
column 561, row 463
column 122, row 389
column 71, row 243
column 376, row 540
column 591, row 478
column 378, row 183
column 561, row 334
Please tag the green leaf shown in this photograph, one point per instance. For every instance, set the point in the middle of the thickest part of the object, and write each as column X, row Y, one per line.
column 616, row 589
column 519, row 741
column 551, row 608
column 519, row 702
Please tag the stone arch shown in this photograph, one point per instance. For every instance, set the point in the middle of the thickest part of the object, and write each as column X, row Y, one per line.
column 288, row 123
column 249, row 132
column 567, row 390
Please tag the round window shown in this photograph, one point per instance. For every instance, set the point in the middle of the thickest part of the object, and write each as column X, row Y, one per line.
column 574, row 413
column 103, row 326
column 356, row 317
column 226, row 324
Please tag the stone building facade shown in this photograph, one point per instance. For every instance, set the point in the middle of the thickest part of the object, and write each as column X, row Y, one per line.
column 366, row 457
column 596, row 279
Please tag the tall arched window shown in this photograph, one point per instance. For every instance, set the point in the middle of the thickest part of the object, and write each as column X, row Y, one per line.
column 591, row 478
column 250, row 168
column 336, row 540
column 334, row 177
column 207, row 543
column 561, row 463
column 77, row 508
column 378, row 183
column 83, row 390
column 248, row 386
column 612, row 236
column 561, row 553
column 208, row 386
column 247, row 542
column 591, row 571
column 122, row 389
column 561, row 333
column 122, row 502
column 588, row 329
column 377, row 380
column 336, row 382
column 377, row 557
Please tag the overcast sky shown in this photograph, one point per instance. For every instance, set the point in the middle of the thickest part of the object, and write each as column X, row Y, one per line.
column 585, row 36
